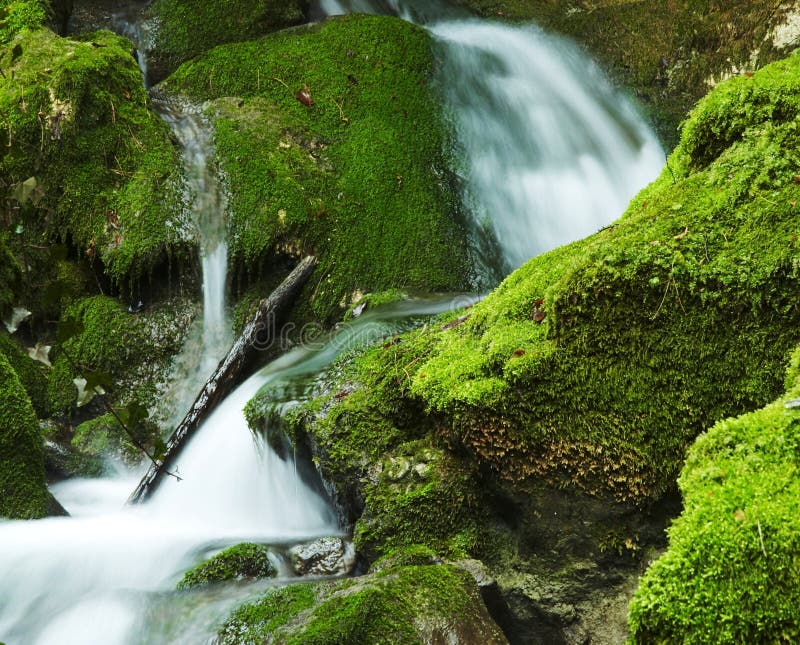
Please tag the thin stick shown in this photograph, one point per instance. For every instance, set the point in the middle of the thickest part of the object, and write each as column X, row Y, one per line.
column 761, row 538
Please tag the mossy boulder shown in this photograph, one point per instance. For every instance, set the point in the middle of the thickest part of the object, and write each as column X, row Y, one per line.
column 133, row 350
column 669, row 54
column 335, row 147
column 23, row 15
column 592, row 368
column 731, row 573
column 243, row 561
column 409, row 604
column 23, row 493
column 85, row 159
column 183, row 28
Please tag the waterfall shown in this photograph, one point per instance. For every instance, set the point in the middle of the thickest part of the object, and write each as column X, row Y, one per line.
column 549, row 150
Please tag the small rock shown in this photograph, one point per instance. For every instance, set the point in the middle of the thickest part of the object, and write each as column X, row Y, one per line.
column 329, row 556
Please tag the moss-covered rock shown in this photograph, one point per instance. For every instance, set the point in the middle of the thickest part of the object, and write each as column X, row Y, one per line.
column 134, row 351
column 410, row 604
column 668, row 53
column 354, row 171
column 592, row 368
column 84, row 158
column 731, row 573
column 243, row 561
column 22, row 15
column 187, row 28
column 23, row 493
column 32, row 374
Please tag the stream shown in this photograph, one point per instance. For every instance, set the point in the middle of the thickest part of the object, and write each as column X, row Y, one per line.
column 550, row 152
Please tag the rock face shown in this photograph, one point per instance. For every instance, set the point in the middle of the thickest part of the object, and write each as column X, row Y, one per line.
column 331, row 556
column 669, row 54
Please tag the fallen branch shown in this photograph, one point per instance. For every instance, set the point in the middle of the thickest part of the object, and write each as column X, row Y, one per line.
column 260, row 332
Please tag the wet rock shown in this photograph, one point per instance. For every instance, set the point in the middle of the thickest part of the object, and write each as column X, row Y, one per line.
column 328, row 556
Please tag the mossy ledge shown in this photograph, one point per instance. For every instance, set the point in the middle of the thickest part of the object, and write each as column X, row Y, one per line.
column 85, row 160
column 731, row 573
column 404, row 604
column 359, row 178
column 185, row 28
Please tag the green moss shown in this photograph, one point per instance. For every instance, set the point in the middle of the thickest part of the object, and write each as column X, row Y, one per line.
column 186, row 29
column 20, row 15
column 731, row 573
column 10, row 276
column 358, row 178
column 104, row 437
column 246, row 560
column 23, row 493
column 74, row 116
column 31, row 373
column 411, row 604
column 133, row 350
column 420, row 496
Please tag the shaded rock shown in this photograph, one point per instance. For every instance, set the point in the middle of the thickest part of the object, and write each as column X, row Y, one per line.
column 329, row 556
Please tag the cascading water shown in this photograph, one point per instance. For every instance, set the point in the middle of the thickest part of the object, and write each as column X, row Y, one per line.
column 550, row 153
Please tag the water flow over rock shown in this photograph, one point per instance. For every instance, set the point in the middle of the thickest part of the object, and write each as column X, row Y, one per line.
column 550, row 152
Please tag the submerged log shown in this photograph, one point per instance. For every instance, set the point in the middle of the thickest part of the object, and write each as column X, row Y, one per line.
column 260, row 333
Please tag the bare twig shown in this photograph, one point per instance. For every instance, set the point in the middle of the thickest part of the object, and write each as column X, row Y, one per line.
column 761, row 538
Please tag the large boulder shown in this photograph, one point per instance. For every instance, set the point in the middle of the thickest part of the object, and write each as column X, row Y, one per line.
column 336, row 146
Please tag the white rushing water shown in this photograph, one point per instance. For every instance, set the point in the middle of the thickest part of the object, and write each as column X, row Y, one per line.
column 550, row 153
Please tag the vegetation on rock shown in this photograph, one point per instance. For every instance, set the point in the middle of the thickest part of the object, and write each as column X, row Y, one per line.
column 406, row 604
column 246, row 560
column 187, row 28
column 594, row 367
column 23, row 493
column 84, row 158
column 335, row 147
column 731, row 574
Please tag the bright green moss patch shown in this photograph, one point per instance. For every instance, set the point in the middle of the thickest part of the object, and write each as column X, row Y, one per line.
column 732, row 573
column 358, row 178
column 75, row 117
column 246, row 560
column 187, row 28
column 23, row 493
column 19, row 15
column 410, row 604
